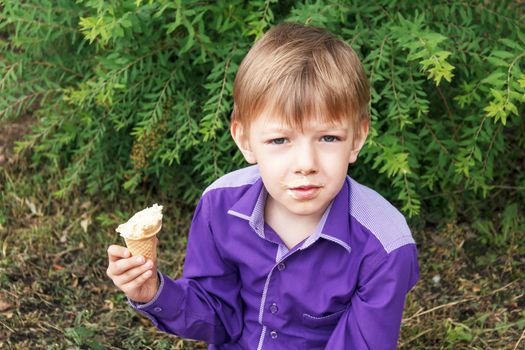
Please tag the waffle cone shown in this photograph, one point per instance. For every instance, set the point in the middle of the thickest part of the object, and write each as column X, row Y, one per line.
column 146, row 245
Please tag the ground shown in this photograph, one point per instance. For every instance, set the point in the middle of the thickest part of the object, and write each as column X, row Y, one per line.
column 54, row 292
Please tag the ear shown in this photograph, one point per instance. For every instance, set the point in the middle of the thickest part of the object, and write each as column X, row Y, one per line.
column 359, row 141
column 242, row 141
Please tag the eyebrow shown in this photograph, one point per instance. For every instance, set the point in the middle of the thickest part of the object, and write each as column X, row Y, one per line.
column 280, row 129
column 270, row 130
column 333, row 129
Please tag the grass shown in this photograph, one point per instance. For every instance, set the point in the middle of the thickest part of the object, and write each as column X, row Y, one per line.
column 54, row 292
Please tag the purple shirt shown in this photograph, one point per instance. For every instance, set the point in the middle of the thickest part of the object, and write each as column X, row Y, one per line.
column 343, row 287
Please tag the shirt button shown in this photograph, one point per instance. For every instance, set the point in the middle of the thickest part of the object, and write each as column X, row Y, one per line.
column 157, row 309
column 281, row 266
column 273, row 334
column 274, row 308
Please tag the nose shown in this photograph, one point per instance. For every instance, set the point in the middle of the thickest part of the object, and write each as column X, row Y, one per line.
column 306, row 160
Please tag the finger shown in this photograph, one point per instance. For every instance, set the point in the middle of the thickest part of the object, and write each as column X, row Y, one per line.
column 133, row 273
column 117, row 252
column 136, row 282
column 121, row 266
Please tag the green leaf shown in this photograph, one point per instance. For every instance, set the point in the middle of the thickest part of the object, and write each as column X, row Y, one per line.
column 502, row 54
column 496, row 79
column 497, row 62
column 511, row 44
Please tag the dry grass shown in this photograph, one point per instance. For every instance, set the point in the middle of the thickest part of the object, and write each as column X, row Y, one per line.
column 54, row 292
column 468, row 297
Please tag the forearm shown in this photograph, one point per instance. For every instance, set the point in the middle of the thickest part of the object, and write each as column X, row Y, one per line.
column 184, row 308
column 373, row 318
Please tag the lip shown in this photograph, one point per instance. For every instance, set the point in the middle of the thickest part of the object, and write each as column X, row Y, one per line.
column 304, row 192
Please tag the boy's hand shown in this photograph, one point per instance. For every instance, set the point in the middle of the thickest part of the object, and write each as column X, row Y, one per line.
column 134, row 275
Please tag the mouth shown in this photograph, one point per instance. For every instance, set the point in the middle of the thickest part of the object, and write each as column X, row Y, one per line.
column 304, row 192
column 304, row 188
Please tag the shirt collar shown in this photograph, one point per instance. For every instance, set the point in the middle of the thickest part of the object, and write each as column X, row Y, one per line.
column 333, row 226
column 251, row 206
column 337, row 225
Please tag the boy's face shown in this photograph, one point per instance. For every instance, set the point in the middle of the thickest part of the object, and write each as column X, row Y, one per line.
column 301, row 170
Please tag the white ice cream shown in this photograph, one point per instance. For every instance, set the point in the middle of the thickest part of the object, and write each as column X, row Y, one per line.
column 143, row 220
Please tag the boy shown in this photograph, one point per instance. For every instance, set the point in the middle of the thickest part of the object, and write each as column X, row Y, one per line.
column 290, row 253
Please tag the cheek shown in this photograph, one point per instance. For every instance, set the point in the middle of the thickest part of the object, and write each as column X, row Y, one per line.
column 271, row 172
column 273, row 160
column 338, row 157
column 335, row 165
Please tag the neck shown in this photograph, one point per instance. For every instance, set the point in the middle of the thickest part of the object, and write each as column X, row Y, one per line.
column 287, row 223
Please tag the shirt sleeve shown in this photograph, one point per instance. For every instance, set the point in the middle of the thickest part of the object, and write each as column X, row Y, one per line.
column 373, row 319
column 203, row 304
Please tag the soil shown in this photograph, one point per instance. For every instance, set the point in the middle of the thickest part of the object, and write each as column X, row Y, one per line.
column 10, row 132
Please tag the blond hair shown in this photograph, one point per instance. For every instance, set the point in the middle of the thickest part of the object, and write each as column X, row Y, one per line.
column 297, row 72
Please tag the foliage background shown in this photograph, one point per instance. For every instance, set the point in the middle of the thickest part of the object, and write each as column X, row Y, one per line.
column 130, row 94
column 131, row 99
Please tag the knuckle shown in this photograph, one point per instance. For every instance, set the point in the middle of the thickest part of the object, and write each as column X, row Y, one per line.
column 120, row 267
column 127, row 276
column 113, row 271
column 140, row 280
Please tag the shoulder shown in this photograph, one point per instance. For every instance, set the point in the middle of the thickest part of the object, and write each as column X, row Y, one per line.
column 234, row 193
column 380, row 218
column 225, row 192
column 235, row 179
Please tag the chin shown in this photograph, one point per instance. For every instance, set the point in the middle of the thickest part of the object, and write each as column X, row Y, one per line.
column 305, row 208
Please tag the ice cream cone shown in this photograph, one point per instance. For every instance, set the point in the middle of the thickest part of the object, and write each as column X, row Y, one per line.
column 141, row 230
column 146, row 245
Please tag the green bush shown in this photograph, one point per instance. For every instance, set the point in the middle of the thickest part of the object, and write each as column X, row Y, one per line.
column 132, row 94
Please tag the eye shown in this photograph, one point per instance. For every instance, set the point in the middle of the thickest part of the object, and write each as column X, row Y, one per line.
column 330, row 138
column 278, row 141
